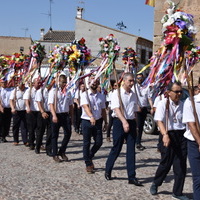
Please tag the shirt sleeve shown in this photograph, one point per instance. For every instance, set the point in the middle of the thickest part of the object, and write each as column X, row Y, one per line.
column 76, row 94
column 160, row 111
column 12, row 94
column 103, row 101
column 51, row 96
column 83, row 99
column 115, row 100
column 38, row 96
column 188, row 115
column 27, row 94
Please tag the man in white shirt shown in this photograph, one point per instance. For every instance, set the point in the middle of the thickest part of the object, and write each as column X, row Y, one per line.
column 61, row 107
column 32, row 112
column 44, row 121
column 173, row 146
column 78, row 109
column 144, row 97
column 110, row 111
column 124, row 127
column 93, row 114
column 18, row 110
column 5, row 111
column 193, row 141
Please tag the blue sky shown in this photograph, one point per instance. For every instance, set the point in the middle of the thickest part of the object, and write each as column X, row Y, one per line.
column 26, row 17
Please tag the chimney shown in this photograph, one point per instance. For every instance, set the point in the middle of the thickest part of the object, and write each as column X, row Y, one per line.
column 42, row 34
column 79, row 13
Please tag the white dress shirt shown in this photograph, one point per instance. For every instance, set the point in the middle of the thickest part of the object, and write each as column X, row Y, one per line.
column 188, row 115
column 30, row 95
column 109, row 97
column 130, row 103
column 143, row 95
column 78, row 94
column 174, row 117
column 5, row 97
column 17, row 96
column 97, row 103
column 42, row 96
column 158, row 99
column 64, row 100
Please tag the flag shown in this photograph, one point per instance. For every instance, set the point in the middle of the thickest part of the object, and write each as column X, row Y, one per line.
column 150, row 2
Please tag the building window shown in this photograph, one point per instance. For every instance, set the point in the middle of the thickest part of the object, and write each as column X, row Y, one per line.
column 150, row 54
column 143, row 56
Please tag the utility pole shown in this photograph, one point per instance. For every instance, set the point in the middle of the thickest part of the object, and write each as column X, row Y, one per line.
column 25, row 31
column 49, row 14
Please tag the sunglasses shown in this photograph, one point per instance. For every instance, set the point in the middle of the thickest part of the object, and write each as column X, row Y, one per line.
column 178, row 91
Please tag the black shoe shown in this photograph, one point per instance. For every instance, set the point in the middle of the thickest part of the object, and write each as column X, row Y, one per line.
column 135, row 182
column 57, row 159
column 3, row 140
column 63, row 156
column 108, row 176
column 31, row 147
column 26, row 144
column 154, row 189
column 140, row 147
column 37, row 151
column 49, row 153
column 181, row 197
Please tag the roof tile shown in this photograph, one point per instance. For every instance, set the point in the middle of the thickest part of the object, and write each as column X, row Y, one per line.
column 59, row 36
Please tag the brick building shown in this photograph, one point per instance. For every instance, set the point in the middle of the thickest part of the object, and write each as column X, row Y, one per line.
column 10, row 45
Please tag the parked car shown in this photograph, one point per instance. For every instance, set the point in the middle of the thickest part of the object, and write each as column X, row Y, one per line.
column 150, row 126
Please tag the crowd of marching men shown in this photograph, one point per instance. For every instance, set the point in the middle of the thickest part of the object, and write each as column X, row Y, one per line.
column 36, row 110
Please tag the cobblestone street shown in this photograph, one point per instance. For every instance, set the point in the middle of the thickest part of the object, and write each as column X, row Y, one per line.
column 26, row 175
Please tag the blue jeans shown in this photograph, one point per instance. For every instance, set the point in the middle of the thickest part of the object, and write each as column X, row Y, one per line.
column 90, row 131
column 65, row 122
column 194, row 159
column 118, row 140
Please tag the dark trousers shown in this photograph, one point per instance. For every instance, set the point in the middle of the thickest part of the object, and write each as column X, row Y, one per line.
column 175, row 154
column 32, row 119
column 42, row 125
column 90, row 131
column 64, row 121
column 19, row 121
column 5, row 121
column 141, row 116
column 110, row 123
column 118, row 140
column 77, row 124
column 194, row 159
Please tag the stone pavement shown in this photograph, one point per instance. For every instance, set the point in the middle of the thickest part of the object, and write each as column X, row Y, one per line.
column 25, row 175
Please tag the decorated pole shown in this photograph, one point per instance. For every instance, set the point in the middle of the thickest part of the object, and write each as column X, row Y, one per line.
column 109, row 53
column 177, row 56
column 130, row 60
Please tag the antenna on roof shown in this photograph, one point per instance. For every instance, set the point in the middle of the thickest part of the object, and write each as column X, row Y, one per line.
column 49, row 14
column 121, row 26
column 25, row 31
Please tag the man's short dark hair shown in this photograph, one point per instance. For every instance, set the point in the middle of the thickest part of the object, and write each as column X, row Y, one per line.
column 172, row 83
column 62, row 76
column 140, row 74
column 127, row 74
